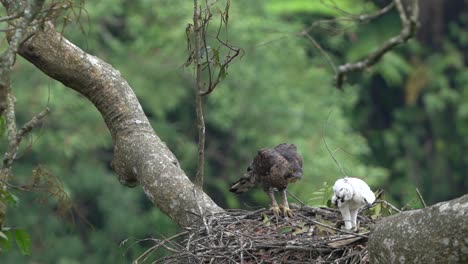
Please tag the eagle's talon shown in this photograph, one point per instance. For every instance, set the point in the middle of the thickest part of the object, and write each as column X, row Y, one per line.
column 275, row 210
column 286, row 211
column 274, row 169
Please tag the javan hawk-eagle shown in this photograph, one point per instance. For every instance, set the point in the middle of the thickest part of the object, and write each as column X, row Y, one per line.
column 273, row 169
column 351, row 194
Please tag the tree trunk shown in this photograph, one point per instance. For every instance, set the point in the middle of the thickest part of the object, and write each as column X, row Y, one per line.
column 436, row 234
column 140, row 157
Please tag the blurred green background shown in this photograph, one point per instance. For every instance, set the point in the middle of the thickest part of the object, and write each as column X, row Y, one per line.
column 399, row 125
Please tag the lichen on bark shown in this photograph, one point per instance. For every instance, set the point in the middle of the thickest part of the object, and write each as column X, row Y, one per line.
column 436, row 234
column 140, row 157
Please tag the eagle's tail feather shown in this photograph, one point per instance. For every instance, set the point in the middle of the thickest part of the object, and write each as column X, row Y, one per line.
column 243, row 184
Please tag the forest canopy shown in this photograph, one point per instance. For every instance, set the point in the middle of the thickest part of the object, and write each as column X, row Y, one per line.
column 400, row 125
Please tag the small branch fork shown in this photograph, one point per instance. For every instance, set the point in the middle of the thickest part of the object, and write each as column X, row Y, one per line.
column 198, row 97
column 207, row 59
column 409, row 26
column 18, row 21
column 15, row 137
column 409, row 19
column 7, row 100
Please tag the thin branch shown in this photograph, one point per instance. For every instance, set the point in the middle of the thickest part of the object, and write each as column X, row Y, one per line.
column 148, row 252
column 206, row 58
column 409, row 26
column 388, row 204
column 10, row 17
column 233, row 52
column 328, row 149
column 14, row 137
column 295, row 197
column 421, row 199
column 198, row 96
column 336, row 229
column 317, row 46
column 379, row 13
column 32, row 123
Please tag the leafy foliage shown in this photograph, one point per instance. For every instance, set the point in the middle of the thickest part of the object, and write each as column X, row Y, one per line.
column 21, row 237
column 322, row 196
column 403, row 124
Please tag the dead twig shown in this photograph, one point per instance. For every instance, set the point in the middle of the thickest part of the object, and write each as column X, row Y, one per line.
column 213, row 61
column 295, row 197
column 421, row 199
column 388, row 204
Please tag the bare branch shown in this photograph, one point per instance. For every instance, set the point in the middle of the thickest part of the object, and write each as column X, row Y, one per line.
column 361, row 18
column 11, row 17
column 317, row 46
column 207, row 59
column 409, row 26
column 421, row 199
column 198, row 97
column 378, row 13
column 14, row 137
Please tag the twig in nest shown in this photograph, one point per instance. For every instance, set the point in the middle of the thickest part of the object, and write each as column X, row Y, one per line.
column 337, row 229
column 388, row 204
column 295, row 197
column 148, row 252
column 237, row 237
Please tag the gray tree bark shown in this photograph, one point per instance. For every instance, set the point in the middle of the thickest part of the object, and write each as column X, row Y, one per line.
column 436, row 234
column 140, row 157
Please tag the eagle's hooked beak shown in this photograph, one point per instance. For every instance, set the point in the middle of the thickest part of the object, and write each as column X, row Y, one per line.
column 295, row 176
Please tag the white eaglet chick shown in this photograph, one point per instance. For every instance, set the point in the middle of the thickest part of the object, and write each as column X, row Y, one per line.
column 350, row 195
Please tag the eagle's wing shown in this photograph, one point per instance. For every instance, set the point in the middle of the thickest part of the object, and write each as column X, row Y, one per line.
column 267, row 167
column 269, row 162
column 289, row 151
column 362, row 191
column 274, row 169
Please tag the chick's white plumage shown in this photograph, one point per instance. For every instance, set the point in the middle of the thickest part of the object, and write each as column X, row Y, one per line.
column 350, row 195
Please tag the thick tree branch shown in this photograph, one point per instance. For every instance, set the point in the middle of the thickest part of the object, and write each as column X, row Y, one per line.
column 139, row 155
column 436, row 234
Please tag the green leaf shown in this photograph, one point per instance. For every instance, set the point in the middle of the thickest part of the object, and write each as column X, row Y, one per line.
column 2, row 125
column 5, row 240
column 286, row 229
column 3, row 236
column 23, row 241
column 216, row 55
column 223, row 73
column 266, row 220
column 11, row 199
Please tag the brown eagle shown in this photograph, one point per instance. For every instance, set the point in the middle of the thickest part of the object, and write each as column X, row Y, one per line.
column 273, row 169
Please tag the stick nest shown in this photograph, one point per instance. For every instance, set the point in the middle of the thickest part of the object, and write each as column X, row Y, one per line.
column 311, row 236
